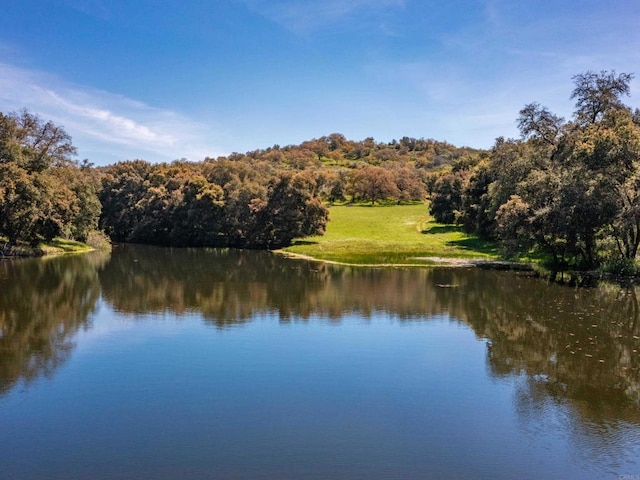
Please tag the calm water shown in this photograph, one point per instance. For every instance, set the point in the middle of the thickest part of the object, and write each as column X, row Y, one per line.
column 191, row 364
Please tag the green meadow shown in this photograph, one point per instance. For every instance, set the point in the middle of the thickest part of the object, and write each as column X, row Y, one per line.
column 390, row 235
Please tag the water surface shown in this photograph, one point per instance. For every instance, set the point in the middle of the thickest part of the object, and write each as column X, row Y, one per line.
column 159, row 363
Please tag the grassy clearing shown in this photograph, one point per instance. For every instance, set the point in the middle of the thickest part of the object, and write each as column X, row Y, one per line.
column 57, row 246
column 395, row 234
column 60, row 245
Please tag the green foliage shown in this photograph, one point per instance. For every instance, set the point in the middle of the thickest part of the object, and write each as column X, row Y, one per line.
column 43, row 193
column 261, row 199
column 98, row 240
column 564, row 186
column 446, row 199
column 476, row 209
column 123, row 187
column 620, row 266
column 244, row 204
column 291, row 211
column 568, row 191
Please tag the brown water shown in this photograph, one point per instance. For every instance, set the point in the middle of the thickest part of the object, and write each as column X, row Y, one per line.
column 159, row 363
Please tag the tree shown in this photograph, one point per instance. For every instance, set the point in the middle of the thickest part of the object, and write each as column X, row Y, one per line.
column 291, row 212
column 446, row 198
column 372, row 183
column 318, row 146
column 513, row 219
column 538, row 123
column 599, row 93
column 123, row 187
column 475, row 215
column 338, row 187
column 199, row 217
column 570, row 183
column 43, row 192
column 33, row 144
column 410, row 186
column 626, row 224
column 19, row 204
column 84, row 183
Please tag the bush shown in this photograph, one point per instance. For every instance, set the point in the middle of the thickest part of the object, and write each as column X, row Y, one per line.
column 98, row 240
column 620, row 266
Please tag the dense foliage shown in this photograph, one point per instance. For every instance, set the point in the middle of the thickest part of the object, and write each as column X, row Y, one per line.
column 43, row 192
column 264, row 198
column 213, row 203
column 261, row 199
column 567, row 189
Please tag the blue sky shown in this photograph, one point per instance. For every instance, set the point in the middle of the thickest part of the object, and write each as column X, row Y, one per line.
column 161, row 80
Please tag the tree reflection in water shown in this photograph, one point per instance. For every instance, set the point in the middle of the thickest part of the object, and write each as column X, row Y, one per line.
column 574, row 348
column 43, row 303
column 575, row 343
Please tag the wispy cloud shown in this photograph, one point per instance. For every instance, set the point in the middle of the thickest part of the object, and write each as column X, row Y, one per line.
column 105, row 127
column 305, row 16
column 453, row 103
column 93, row 8
column 472, row 89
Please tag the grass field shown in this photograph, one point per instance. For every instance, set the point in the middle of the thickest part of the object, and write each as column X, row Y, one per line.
column 395, row 234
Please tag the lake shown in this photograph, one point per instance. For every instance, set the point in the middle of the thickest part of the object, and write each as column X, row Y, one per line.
column 159, row 363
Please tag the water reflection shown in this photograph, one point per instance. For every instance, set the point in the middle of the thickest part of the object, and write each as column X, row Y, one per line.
column 225, row 286
column 578, row 343
column 231, row 287
column 43, row 303
column 574, row 349
column 575, row 341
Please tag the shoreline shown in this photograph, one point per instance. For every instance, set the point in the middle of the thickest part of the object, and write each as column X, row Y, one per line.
column 575, row 278
column 21, row 251
column 449, row 262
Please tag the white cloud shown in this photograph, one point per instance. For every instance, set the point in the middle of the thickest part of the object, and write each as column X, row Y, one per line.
column 105, row 127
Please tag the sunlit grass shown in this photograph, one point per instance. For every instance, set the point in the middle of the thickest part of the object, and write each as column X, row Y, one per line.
column 61, row 245
column 398, row 234
column 56, row 246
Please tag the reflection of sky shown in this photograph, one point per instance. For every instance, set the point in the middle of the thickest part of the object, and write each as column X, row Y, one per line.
column 109, row 325
column 236, row 357
column 364, row 398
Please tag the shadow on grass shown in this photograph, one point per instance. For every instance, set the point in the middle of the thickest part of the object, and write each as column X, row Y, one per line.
column 476, row 245
column 377, row 204
column 472, row 244
column 442, row 229
column 303, row 242
column 67, row 245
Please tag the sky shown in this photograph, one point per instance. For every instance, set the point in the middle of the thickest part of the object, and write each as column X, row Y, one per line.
column 162, row 80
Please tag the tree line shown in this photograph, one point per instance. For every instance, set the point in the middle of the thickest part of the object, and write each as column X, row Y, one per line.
column 261, row 199
column 213, row 203
column 568, row 190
